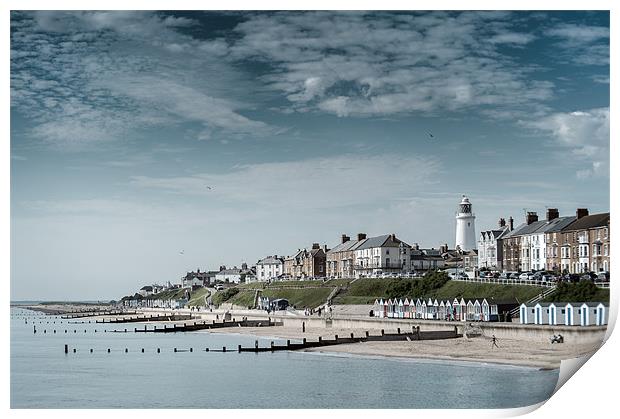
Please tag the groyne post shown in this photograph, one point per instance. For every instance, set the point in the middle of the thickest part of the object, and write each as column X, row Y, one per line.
column 239, row 348
column 66, row 348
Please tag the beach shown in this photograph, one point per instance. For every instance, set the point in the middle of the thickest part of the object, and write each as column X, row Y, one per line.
column 528, row 353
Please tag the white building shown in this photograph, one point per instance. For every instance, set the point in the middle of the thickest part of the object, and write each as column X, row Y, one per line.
column 465, row 227
column 490, row 252
column 269, row 268
column 382, row 254
column 229, row 275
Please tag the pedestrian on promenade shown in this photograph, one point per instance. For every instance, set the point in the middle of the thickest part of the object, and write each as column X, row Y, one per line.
column 494, row 342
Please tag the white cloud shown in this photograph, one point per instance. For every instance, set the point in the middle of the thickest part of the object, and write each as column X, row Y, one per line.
column 584, row 133
column 356, row 64
column 309, row 184
column 582, row 44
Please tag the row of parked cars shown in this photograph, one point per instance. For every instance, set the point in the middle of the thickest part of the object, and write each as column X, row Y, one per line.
column 544, row 276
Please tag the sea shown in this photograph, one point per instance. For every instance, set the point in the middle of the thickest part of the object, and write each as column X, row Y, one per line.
column 44, row 376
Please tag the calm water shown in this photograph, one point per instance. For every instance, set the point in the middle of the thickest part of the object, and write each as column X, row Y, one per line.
column 42, row 376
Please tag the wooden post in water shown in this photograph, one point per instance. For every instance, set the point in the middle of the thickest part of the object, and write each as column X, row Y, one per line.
column 158, row 350
column 367, row 333
column 304, row 341
column 224, row 349
column 239, row 348
column 66, row 348
column 320, row 339
column 288, row 343
column 382, row 332
column 256, row 346
column 398, row 330
column 271, row 346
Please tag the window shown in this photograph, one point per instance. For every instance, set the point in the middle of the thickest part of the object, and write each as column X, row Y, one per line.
column 606, row 250
column 606, row 233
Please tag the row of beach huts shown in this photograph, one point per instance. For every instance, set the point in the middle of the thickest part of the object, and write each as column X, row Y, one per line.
column 479, row 309
column 568, row 314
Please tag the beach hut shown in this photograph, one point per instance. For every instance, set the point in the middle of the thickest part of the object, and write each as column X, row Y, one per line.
column 477, row 311
column 424, row 311
column 541, row 313
column 463, row 305
column 435, row 309
column 456, row 309
column 390, row 309
column 470, row 310
column 400, row 309
column 430, row 309
column 553, row 314
column 406, row 311
column 523, row 314
column 486, row 311
column 449, row 313
column 588, row 315
column 418, row 309
column 601, row 314
column 442, row 311
column 569, row 314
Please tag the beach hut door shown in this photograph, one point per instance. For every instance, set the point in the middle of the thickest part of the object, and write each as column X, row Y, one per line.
column 600, row 316
column 523, row 315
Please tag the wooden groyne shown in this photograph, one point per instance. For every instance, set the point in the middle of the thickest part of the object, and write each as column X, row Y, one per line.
column 416, row 334
column 151, row 318
column 205, row 325
column 79, row 315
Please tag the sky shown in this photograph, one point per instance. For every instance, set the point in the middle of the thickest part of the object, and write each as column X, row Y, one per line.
column 146, row 144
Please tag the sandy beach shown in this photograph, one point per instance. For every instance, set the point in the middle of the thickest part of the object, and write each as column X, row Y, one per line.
column 479, row 349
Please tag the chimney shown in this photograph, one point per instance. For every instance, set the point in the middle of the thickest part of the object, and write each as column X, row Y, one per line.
column 511, row 223
column 345, row 238
column 393, row 237
column 582, row 212
column 531, row 217
column 416, row 246
column 361, row 236
column 552, row 214
column 244, row 266
column 325, row 249
column 316, row 246
column 222, row 268
column 502, row 222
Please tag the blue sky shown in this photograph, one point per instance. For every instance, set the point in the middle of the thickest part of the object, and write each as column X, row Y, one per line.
column 305, row 126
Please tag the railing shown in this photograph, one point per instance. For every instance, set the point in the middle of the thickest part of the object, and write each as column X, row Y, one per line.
column 395, row 265
column 533, row 300
column 508, row 281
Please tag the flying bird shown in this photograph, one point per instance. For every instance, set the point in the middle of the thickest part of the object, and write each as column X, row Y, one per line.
column 208, row 187
column 430, row 135
column 182, row 252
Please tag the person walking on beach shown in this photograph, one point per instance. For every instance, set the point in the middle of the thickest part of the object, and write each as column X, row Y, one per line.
column 494, row 342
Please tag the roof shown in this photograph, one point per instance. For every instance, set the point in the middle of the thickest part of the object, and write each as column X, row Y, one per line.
column 230, row 272
column 515, row 232
column 557, row 224
column 270, row 260
column 146, row 288
column 589, row 221
column 531, row 228
column 379, row 241
column 346, row 246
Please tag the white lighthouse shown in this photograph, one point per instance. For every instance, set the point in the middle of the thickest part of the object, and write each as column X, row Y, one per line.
column 465, row 228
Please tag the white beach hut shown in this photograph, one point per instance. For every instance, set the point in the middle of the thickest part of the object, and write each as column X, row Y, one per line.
column 523, row 314
column 441, row 313
column 541, row 313
column 570, row 312
column 601, row 314
column 477, row 311
column 418, row 309
column 486, row 310
column 424, row 310
column 470, row 310
column 400, row 309
column 587, row 314
column 553, row 314
column 463, row 306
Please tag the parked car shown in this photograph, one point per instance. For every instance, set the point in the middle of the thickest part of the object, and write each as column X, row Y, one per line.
column 603, row 277
column 526, row 276
column 571, row 278
column 589, row 276
column 514, row 275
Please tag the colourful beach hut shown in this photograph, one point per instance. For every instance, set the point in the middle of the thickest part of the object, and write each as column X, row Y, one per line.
column 449, row 313
column 463, row 305
column 406, row 311
column 424, row 310
column 400, row 309
column 442, row 311
column 456, row 309
column 418, row 309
